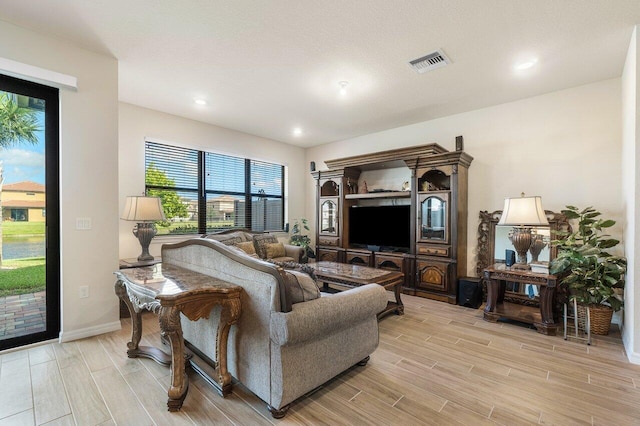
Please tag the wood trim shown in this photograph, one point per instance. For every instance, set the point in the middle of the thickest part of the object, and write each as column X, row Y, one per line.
column 391, row 155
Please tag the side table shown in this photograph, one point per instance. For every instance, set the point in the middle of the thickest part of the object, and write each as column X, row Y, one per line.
column 169, row 291
column 542, row 317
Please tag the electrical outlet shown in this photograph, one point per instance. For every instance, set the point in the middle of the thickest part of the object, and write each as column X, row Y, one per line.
column 84, row 291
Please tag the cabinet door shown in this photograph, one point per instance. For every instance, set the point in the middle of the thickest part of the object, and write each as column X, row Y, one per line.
column 433, row 217
column 329, row 216
column 432, row 275
column 327, row 255
column 356, row 258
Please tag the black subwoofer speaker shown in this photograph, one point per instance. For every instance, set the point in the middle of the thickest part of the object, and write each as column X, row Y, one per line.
column 469, row 292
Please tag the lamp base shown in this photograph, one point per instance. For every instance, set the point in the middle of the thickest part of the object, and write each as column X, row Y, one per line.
column 145, row 231
column 521, row 239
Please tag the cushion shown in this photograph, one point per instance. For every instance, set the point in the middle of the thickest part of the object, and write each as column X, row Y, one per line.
column 274, row 250
column 224, row 236
column 301, row 287
column 242, row 252
column 300, row 267
column 247, row 247
column 233, row 241
column 260, row 241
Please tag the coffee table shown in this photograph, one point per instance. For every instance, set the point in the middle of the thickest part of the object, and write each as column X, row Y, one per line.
column 349, row 275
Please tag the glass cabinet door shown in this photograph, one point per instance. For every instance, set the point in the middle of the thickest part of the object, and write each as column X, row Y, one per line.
column 329, row 217
column 433, row 221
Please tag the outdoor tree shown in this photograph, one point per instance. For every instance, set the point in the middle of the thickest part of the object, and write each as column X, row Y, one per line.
column 171, row 202
column 17, row 125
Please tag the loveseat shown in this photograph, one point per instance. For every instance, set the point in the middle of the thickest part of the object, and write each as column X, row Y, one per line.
column 278, row 349
column 258, row 244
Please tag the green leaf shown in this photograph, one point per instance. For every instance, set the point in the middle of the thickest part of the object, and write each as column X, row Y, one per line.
column 587, row 210
column 607, row 223
column 605, row 244
column 570, row 214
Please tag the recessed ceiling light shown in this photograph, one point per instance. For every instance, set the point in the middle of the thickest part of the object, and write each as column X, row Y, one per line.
column 297, row 131
column 200, row 101
column 343, row 87
column 526, row 64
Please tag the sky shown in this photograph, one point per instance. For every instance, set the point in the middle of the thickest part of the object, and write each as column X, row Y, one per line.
column 25, row 161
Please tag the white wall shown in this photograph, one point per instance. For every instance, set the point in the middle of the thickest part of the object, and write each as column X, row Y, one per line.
column 88, row 175
column 564, row 146
column 137, row 123
column 630, row 179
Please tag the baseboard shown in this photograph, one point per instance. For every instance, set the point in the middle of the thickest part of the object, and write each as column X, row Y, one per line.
column 68, row 336
column 633, row 357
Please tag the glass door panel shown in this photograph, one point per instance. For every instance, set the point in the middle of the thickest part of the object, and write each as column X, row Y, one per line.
column 29, row 265
column 433, row 218
column 329, row 217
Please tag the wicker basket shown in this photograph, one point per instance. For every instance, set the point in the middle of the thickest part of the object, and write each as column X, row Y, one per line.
column 600, row 319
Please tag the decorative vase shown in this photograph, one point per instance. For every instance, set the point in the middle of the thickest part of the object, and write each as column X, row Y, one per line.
column 363, row 188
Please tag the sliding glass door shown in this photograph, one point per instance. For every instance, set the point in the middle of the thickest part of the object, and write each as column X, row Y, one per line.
column 29, row 206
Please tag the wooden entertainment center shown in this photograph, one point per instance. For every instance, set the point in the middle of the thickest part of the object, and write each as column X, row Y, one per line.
column 434, row 186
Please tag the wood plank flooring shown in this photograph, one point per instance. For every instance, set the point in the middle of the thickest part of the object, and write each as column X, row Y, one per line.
column 438, row 364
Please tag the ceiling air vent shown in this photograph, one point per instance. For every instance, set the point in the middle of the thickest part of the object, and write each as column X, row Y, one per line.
column 430, row 62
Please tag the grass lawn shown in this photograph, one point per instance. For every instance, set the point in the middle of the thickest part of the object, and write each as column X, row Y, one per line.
column 27, row 277
column 22, row 228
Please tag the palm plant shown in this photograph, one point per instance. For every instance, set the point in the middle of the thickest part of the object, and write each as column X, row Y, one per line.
column 17, row 124
column 590, row 272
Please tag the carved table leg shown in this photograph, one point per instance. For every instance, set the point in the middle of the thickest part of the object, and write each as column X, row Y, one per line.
column 136, row 323
column 492, row 299
column 548, row 325
column 228, row 316
column 134, row 350
column 171, row 329
column 400, row 307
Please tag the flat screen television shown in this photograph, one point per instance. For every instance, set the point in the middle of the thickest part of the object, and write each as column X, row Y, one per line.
column 384, row 226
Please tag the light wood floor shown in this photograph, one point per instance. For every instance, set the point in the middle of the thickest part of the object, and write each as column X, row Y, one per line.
column 437, row 364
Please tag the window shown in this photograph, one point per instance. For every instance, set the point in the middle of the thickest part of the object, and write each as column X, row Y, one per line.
column 205, row 191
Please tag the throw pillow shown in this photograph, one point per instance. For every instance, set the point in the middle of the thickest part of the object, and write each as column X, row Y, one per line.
column 228, row 240
column 260, row 241
column 301, row 287
column 247, row 247
column 242, row 252
column 309, row 270
column 274, row 250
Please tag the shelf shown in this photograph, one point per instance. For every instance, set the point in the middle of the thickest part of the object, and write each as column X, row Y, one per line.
column 393, row 194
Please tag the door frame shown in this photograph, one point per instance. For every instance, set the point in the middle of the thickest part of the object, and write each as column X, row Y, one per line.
column 52, row 190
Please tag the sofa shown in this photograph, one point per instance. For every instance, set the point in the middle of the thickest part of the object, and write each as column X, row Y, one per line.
column 258, row 244
column 279, row 349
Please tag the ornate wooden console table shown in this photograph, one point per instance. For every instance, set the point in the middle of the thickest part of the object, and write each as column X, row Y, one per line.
column 169, row 291
column 542, row 317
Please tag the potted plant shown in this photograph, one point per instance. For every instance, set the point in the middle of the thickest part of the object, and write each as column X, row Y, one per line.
column 588, row 271
column 301, row 240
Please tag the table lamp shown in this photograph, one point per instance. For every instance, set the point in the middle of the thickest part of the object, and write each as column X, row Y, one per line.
column 146, row 211
column 523, row 213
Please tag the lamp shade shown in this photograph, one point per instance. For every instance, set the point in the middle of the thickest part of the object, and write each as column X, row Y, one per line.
column 523, row 211
column 143, row 209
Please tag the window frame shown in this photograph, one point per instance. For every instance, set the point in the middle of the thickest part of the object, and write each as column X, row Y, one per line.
column 202, row 192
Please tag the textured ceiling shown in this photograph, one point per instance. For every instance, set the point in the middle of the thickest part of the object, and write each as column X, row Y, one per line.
column 266, row 67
